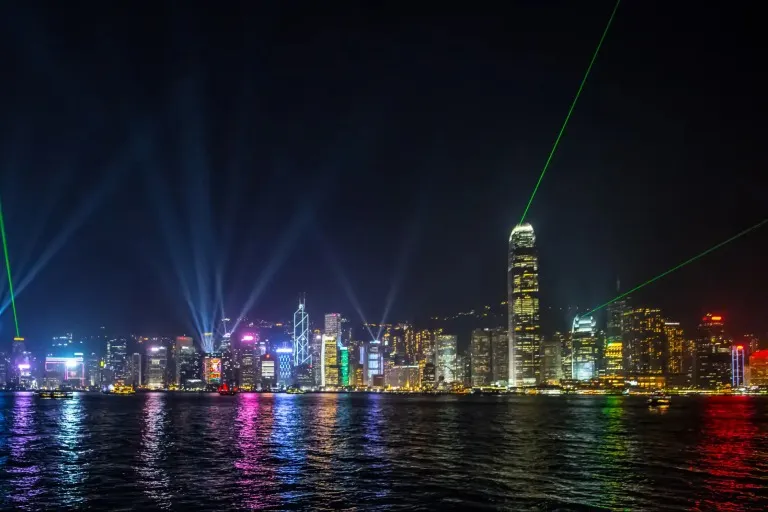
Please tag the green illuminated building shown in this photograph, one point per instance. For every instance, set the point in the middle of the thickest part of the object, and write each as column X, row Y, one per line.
column 344, row 366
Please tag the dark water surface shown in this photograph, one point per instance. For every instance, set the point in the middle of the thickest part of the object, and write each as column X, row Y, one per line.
column 210, row 452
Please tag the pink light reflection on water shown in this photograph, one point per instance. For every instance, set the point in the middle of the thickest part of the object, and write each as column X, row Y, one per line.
column 256, row 469
column 22, row 437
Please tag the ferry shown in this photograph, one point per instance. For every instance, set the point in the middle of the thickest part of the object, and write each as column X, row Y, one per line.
column 295, row 391
column 225, row 389
column 121, row 389
column 58, row 394
column 659, row 399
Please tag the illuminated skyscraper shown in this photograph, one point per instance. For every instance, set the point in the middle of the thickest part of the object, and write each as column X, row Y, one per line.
column 614, row 359
column 284, row 366
column 185, row 360
column 445, row 358
column 523, row 307
column 157, row 361
column 373, row 362
column 712, row 362
column 551, row 362
column 643, row 342
column 330, row 363
column 480, row 355
column 344, row 366
column 301, row 350
column 737, row 366
column 117, row 358
column 614, row 345
column 758, row 368
column 584, row 356
column 675, row 347
column 136, row 377
column 333, row 326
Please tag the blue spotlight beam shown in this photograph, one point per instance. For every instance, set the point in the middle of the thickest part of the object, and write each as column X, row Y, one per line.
column 120, row 165
column 334, row 262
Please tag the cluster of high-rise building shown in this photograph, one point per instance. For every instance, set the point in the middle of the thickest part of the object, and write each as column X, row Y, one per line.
column 638, row 345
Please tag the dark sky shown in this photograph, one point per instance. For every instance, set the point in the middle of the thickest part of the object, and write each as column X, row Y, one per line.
column 150, row 147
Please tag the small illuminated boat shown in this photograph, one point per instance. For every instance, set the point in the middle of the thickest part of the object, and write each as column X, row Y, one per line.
column 121, row 389
column 56, row 394
column 659, row 399
column 294, row 391
column 227, row 390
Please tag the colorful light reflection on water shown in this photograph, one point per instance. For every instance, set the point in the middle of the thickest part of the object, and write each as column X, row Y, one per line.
column 728, row 454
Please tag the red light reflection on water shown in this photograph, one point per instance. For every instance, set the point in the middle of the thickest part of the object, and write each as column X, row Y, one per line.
column 728, row 444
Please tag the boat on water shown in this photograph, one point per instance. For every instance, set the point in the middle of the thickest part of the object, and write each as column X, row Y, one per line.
column 295, row 391
column 121, row 389
column 659, row 399
column 227, row 390
column 56, row 394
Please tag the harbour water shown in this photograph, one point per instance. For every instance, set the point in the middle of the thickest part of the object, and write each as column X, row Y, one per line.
column 384, row 452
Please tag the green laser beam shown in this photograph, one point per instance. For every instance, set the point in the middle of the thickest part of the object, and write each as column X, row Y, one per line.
column 676, row 267
column 570, row 111
column 8, row 268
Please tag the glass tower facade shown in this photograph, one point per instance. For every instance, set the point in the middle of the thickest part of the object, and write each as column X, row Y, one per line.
column 445, row 346
column 523, row 307
column 584, row 356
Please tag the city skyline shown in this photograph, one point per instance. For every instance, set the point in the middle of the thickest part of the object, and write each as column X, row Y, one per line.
column 408, row 170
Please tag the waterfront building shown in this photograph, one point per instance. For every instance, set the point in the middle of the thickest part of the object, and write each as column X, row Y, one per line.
column 117, row 359
column 551, row 362
column 157, row 362
column 523, row 308
column 499, row 356
column 248, row 360
column 758, row 368
column 343, row 366
column 5, row 366
column 136, row 375
column 480, row 356
column 330, row 363
column 675, row 347
column 284, row 367
column 428, row 376
column 445, row 358
column 712, row 366
column 738, row 378
column 185, row 360
column 267, row 373
column 566, row 353
column 404, row 377
column 463, row 369
column 373, row 362
column 644, row 342
column 64, row 371
column 302, row 354
column 585, row 348
column 18, row 361
column 333, row 323
column 613, row 356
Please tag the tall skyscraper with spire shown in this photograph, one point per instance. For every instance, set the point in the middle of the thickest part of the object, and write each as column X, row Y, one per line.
column 301, row 350
column 523, row 307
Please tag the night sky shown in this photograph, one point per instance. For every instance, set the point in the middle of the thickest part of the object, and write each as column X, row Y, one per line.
column 149, row 147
